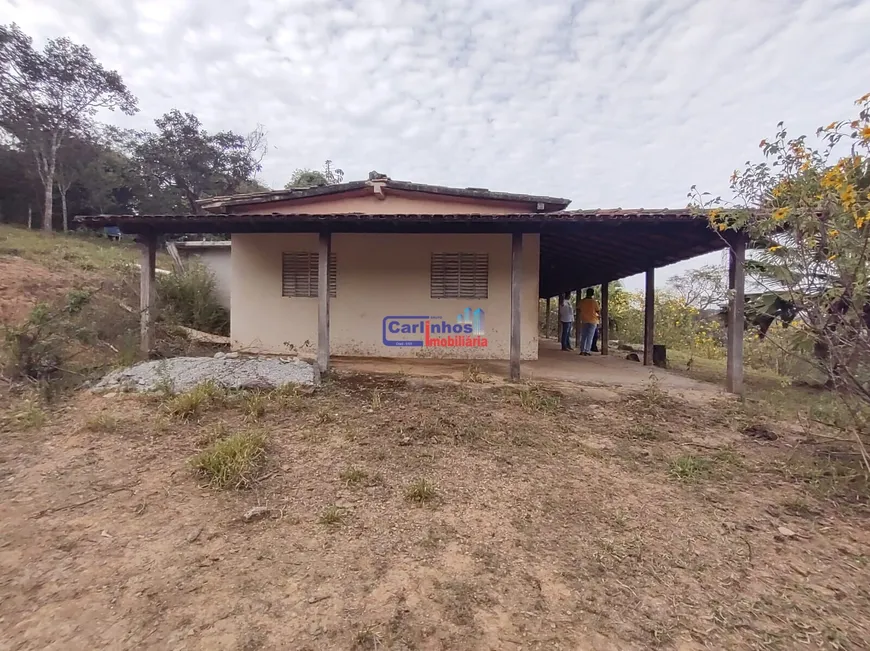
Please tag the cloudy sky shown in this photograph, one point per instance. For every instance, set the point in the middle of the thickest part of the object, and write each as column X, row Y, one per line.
column 608, row 102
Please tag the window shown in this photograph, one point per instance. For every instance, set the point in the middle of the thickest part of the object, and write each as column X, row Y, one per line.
column 299, row 275
column 459, row 275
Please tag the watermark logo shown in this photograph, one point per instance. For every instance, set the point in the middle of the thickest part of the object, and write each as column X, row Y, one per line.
column 434, row 331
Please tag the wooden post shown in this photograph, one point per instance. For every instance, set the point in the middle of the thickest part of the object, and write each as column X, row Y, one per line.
column 547, row 319
column 323, row 251
column 148, row 246
column 736, row 304
column 577, row 319
column 516, row 312
column 649, row 318
column 605, row 320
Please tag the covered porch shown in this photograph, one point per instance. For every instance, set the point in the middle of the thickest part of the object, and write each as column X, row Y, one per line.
column 578, row 249
column 553, row 365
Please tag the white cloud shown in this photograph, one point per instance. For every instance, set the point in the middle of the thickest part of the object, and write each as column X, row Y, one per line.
column 609, row 102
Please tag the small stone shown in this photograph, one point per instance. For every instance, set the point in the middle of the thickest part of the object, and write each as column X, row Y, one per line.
column 785, row 531
column 193, row 535
column 256, row 513
column 220, row 355
column 111, row 394
column 233, row 355
column 314, row 630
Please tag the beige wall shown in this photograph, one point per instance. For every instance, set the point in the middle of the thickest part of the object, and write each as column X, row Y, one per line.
column 392, row 203
column 378, row 275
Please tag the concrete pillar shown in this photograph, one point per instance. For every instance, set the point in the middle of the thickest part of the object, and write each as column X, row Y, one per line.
column 649, row 318
column 736, row 304
column 323, row 252
column 516, row 294
column 605, row 321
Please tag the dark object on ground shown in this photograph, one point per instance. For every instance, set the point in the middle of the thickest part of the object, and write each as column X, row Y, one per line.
column 660, row 355
column 761, row 432
column 630, row 348
column 632, row 357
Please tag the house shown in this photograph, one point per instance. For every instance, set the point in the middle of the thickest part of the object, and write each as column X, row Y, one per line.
column 390, row 268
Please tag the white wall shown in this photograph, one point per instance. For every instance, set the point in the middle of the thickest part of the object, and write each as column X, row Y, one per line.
column 378, row 275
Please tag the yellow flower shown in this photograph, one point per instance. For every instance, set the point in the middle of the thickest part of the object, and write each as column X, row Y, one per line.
column 865, row 133
column 832, row 258
column 863, row 99
column 848, row 196
column 780, row 213
column 831, row 126
column 774, row 248
column 833, row 232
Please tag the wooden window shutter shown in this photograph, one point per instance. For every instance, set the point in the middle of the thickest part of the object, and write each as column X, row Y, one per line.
column 299, row 275
column 459, row 275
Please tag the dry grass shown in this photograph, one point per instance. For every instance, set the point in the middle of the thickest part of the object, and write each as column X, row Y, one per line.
column 332, row 515
column 102, row 422
column 672, row 512
column 353, row 476
column 230, row 462
column 420, row 491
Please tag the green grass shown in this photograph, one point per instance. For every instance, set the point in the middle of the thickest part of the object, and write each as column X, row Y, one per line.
column 420, row 491
column 230, row 462
column 191, row 404
column 689, row 468
column 70, row 251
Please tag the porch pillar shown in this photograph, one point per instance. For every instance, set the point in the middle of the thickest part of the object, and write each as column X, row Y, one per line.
column 736, row 304
column 649, row 318
column 516, row 312
column 323, row 251
column 547, row 318
column 577, row 319
column 605, row 321
column 147, row 266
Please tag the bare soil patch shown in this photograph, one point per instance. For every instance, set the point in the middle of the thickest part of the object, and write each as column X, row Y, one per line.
column 555, row 521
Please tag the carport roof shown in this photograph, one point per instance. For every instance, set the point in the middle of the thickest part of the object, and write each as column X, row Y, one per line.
column 579, row 248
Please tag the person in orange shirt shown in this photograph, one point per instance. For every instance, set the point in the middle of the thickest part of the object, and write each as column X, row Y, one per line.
column 590, row 313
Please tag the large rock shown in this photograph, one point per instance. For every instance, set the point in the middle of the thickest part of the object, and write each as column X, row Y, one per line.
column 183, row 373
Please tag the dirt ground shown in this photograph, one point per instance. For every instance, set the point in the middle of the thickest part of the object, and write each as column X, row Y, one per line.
column 560, row 521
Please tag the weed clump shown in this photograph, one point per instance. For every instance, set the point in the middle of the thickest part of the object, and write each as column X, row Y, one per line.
column 421, row 491
column 190, row 404
column 229, row 462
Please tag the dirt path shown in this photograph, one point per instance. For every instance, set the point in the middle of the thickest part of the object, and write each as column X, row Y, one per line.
column 559, row 524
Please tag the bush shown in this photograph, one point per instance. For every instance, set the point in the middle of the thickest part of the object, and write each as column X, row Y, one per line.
column 189, row 299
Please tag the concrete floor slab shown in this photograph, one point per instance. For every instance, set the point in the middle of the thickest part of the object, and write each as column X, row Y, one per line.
column 553, row 364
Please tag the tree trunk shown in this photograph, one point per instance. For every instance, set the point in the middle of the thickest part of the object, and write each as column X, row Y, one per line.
column 49, row 202
column 29, row 217
column 63, row 208
column 48, row 181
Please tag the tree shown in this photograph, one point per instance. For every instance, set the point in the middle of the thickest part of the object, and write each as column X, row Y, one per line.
column 307, row 178
column 703, row 288
column 183, row 156
column 809, row 208
column 45, row 96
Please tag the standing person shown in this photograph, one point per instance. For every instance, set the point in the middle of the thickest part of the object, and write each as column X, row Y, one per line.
column 590, row 313
column 566, row 320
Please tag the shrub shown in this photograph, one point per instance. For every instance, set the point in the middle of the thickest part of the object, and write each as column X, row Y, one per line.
column 229, row 462
column 189, row 299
